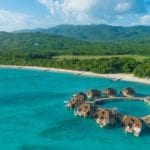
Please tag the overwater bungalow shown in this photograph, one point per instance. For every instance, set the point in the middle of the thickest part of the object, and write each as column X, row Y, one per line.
column 132, row 125
column 128, row 92
column 81, row 96
column 93, row 94
column 86, row 109
column 110, row 92
column 105, row 117
column 147, row 100
column 146, row 120
column 77, row 100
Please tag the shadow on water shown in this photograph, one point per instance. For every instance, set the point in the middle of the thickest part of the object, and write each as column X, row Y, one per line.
column 67, row 129
column 44, row 147
column 35, row 147
column 145, row 132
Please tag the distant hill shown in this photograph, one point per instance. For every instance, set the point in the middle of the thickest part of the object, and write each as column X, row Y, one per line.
column 97, row 33
column 35, row 41
column 65, row 45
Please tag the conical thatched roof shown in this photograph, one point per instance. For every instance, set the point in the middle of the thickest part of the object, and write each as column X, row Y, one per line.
column 110, row 92
column 147, row 100
column 86, row 109
column 75, row 103
column 81, row 96
column 132, row 124
column 105, row 117
column 94, row 93
column 146, row 120
column 128, row 92
column 77, row 100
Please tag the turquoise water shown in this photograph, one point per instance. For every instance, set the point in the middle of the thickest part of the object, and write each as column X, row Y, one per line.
column 33, row 116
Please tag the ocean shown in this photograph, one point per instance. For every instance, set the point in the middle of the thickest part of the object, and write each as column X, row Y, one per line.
column 34, row 117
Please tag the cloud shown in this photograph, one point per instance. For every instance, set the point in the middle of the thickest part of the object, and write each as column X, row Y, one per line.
column 114, row 12
column 145, row 20
column 10, row 21
column 93, row 11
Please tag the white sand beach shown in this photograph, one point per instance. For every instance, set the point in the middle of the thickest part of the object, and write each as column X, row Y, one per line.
column 115, row 77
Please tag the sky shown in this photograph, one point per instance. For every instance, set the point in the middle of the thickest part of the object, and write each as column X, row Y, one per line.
column 30, row 14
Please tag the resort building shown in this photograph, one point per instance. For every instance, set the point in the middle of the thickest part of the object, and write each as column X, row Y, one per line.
column 77, row 100
column 86, row 109
column 105, row 117
column 93, row 94
column 129, row 92
column 132, row 125
column 110, row 92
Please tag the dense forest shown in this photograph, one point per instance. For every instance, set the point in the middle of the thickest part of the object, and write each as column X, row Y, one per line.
column 98, row 33
column 103, row 65
column 40, row 48
column 65, row 45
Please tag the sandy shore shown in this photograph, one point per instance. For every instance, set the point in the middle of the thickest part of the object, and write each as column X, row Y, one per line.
column 115, row 77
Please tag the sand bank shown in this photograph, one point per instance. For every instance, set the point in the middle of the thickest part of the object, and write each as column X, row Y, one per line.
column 115, row 77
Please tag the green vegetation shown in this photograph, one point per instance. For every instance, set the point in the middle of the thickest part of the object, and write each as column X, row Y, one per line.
column 99, row 33
column 143, row 69
column 83, row 57
column 115, row 53
column 67, row 46
column 100, row 65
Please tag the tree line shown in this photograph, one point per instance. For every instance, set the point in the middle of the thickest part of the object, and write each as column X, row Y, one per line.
column 103, row 65
column 70, row 46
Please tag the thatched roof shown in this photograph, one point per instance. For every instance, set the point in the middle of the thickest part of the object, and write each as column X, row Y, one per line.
column 131, row 121
column 104, row 113
column 87, row 109
column 75, row 103
column 128, row 91
column 146, row 120
column 81, row 96
column 105, row 117
column 77, row 100
column 147, row 100
column 110, row 92
column 94, row 93
column 132, row 125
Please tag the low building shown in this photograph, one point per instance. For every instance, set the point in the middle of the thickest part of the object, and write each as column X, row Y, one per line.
column 110, row 92
column 105, row 117
column 147, row 100
column 146, row 120
column 77, row 100
column 129, row 92
column 93, row 94
column 132, row 125
column 86, row 109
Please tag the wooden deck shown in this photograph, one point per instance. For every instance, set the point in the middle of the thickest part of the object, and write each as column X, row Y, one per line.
column 121, row 98
column 145, row 119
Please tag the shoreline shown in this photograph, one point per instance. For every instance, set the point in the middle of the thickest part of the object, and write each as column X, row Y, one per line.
column 115, row 77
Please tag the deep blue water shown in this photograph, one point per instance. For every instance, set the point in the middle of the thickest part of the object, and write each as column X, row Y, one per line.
column 33, row 116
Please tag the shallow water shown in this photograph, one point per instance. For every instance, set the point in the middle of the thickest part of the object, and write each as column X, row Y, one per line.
column 33, row 116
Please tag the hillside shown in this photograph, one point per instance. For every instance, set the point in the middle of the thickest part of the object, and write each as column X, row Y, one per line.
column 97, row 33
column 66, row 45
column 35, row 41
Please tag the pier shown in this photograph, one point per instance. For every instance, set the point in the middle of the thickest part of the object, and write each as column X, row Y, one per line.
column 121, row 98
column 90, row 105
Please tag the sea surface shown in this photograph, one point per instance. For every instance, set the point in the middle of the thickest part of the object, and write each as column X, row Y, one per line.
column 33, row 115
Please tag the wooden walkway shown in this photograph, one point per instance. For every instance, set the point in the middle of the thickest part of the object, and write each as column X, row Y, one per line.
column 145, row 119
column 121, row 98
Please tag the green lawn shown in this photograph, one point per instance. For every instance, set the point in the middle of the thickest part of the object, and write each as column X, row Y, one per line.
column 137, row 57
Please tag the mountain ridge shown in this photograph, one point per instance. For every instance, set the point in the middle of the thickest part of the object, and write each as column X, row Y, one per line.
column 97, row 33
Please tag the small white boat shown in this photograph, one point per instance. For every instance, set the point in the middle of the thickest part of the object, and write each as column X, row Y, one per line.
column 116, row 79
